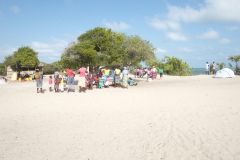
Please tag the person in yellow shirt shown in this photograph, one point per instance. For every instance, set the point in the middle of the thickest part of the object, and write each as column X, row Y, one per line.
column 106, row 73
column 61, row 85
column 117, row 77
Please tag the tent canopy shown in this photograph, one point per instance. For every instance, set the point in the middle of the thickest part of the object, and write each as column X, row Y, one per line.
column 224, row 73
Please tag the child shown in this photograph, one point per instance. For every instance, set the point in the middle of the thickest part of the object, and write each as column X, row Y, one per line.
column 100, row 81
column 50, row 83
column 61, row 85
column 96, row 80
column 107, row 82
column 90, row 80
column 57, row 81
column 132, row 83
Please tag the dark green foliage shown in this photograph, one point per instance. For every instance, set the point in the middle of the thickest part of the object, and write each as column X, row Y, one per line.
column 2, row 69
column 50, row 68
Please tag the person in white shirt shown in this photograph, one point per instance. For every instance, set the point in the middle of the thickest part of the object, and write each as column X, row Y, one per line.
column 207, row 68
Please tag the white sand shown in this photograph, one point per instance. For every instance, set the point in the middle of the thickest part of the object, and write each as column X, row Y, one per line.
column 183, row 118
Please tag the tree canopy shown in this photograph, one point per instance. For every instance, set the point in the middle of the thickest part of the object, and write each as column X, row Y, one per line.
column 101, row 46
column 24, row 56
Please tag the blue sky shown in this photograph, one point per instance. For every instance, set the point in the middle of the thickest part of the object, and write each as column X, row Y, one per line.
column 196, row 31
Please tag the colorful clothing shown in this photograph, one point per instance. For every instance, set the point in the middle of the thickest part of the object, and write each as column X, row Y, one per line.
column 124, row 81
column 82, row 72
column 56, row 85
column 82, row 82
column 106, row 71
column 131, row 82
column 117, row 78
column 39, row 81
column 90, row 78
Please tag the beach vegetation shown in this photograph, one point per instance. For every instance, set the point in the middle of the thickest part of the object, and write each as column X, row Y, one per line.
column 235, row 59
column 221, row 65
column 2, row 69
column 50, row 68
column 172, row 66
column 24, row 56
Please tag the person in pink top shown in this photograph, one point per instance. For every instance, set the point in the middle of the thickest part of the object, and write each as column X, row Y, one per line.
column 50, row 83
column 70, row 80
column 81, row 81
column 140, row 72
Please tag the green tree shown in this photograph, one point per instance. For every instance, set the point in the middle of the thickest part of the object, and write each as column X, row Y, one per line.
column 2, row 69
column 172, row 66
column 24, row 56
column 137, row 50
column 235, row 59
column 101, row 46
column 221, row 65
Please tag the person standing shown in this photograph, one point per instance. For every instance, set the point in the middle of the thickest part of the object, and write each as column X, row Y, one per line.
column 82, row 79
column 207, row 68
column 90, row 80
column 161, row 72
column 56, row 73
column 153, row 72
column 214, row 67
column 70, row 80
column 106, row 73
column 39, row 79
column 211, row 68
column 117, row 77
column 125, row 77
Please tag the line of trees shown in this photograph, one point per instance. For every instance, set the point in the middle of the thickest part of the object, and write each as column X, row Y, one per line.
column 101, row 47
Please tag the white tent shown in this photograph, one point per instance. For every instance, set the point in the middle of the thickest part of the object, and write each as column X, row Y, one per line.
column 224, row 73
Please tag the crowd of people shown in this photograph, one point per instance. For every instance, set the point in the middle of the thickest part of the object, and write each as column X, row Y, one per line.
column 66, row 80
column 149, row 73
column 211, row 67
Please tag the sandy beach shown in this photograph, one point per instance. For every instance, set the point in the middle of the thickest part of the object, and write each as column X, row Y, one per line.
column 177, row 118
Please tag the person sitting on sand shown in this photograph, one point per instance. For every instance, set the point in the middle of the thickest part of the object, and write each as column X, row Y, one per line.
column 131, row 82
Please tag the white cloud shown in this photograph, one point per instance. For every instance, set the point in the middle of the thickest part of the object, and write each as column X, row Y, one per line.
column 176, row 36
column 211, row 11
column 116, row 26
column 224, row 41
column 233, row 28
column 164, row 25
column 159, row 50
column 53, row 49
column 15, row 9
column 209, row 34
column 7, row 51
column 187, row 50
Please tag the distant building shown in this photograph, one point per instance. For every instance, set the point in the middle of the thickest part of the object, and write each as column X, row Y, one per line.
column 24, row 70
